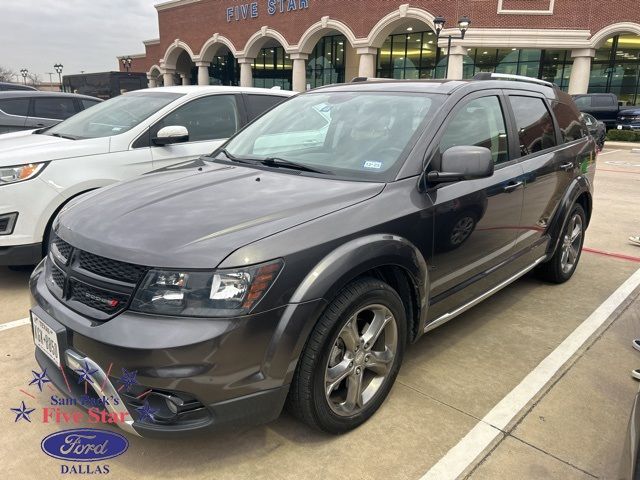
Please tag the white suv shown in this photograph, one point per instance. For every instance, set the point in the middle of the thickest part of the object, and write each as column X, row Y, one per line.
column 41, row 170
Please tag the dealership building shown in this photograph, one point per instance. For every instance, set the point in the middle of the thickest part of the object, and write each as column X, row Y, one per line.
column 581, row 45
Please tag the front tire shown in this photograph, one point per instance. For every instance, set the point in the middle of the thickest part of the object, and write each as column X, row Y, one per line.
column 351, row 359
column 564, row 262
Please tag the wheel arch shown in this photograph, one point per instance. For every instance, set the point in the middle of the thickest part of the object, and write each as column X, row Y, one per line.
column 578, row 192
column 384, row 256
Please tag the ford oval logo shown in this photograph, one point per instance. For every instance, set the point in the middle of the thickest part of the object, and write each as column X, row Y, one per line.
column 84, row 445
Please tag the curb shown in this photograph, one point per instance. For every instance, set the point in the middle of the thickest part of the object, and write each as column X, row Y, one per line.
column 633, row 146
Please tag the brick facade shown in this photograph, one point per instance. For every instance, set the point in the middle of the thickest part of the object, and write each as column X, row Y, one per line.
column 196, row 21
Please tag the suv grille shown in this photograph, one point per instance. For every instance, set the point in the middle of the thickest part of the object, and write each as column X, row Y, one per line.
column 94, row 286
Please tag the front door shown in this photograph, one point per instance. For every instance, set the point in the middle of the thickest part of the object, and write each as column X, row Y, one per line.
column 209, row 120
column 476, row 221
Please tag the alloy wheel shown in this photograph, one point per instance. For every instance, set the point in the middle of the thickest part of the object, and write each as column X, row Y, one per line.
column 571, row 244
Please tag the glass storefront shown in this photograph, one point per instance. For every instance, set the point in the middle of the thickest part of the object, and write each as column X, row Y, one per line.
column 224, row 70
column 326, row 63
column 273, row 68
column 410, row 55
column 616, row 69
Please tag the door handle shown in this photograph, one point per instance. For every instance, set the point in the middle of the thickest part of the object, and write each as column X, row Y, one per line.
column 567, row 166
column 512, row 186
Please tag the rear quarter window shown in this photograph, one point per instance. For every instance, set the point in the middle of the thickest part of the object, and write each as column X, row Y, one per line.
column 15, row 106
column 569, row 122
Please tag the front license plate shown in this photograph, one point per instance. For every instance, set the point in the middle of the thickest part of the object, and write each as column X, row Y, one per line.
column 619, row 127
column 45, row 339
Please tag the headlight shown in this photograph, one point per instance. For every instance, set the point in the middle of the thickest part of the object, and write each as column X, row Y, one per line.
column 20, row 172
column 217, row 293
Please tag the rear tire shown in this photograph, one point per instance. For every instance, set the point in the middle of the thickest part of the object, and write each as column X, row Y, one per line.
column 562, row 265
column 351, row 359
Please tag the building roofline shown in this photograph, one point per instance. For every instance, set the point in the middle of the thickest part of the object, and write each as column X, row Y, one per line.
column 173, row 3
column 153, row 41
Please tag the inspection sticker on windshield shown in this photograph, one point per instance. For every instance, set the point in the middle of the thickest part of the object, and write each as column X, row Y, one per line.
column 372, row 165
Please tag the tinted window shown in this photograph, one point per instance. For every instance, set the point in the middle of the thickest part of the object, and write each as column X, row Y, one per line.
column 53, row 107
column 207, row 118
column 569, row 122
column 88, row 103
column 535, row 126
column 258, row 104
column 480, row 123
column 15, row 106
column 583, row 102
column 602, row 101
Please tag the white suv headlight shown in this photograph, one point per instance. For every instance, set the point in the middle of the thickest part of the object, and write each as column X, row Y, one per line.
column 20, row 173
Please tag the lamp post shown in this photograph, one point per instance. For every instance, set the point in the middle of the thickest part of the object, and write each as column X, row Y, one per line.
column 58, row 67
column 24, row 72
column 126, row 63
column 463, row 25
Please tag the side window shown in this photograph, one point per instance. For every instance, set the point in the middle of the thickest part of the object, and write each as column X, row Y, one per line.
column 59, row 108
column 208, row 118
column 583, row 102
column 258, row 104
column 15, row 106
column 568, row 121
column 88, row 103
column 534, row 123
column 603, row 101
column 480, row 123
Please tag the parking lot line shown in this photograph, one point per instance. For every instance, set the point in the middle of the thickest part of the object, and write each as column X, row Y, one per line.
column 621, row 256
column 493, row 425
column 608, row 152
column 14, row 324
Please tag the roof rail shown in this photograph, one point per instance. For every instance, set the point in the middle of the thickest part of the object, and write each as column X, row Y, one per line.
column 372, row 79
column 506, row 76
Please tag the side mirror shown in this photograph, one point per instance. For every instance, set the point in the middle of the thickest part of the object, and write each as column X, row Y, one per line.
column 463, row 163
column 170, row 135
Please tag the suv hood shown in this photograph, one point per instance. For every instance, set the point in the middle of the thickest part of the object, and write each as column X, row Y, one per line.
column 194, row 217
column 18, row 148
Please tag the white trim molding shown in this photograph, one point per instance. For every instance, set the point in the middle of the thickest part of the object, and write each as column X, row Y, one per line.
column 315, row 32
column 503, row 11
column 153, row 41
column 609, row 31
column 173, row 3
column 523, row 38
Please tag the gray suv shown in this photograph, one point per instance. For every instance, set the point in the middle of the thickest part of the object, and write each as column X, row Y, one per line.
column 25, row 110
column 298, row 261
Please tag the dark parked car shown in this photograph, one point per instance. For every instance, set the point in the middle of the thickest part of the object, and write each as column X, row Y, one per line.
column 30, row 110
column 297, row 262
column 6, row 86
column 596, row 129
column 603, row 106
column 629, row 119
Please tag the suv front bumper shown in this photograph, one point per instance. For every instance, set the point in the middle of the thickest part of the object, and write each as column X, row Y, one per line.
column 223, row 372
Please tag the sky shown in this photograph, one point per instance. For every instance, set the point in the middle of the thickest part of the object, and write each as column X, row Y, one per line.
column 80, row 34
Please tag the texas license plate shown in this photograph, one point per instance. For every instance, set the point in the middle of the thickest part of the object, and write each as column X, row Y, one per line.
column 45, row 339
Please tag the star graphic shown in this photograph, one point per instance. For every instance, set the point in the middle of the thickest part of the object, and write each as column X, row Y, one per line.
column 128, row 379
column 39, row 379
column 146, row 412
column 23, row 412
column 85, row 373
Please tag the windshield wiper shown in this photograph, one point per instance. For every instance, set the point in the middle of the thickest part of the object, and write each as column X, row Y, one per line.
column 233, row 158
column 284, row 163
column 61, row 135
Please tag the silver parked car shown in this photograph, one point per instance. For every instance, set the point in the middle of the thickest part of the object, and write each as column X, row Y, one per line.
column 24, row 110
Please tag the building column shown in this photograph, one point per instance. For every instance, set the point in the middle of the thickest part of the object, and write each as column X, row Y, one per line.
column 246, row 71
column 203, row 72
column 299, row 71
column 367, row 62
column 581, row 70
column 168, row 77
column 456, row 62
column 151, row 81
column 184, row 79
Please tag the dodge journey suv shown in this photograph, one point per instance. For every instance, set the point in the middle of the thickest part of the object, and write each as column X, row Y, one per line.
column 296, row 263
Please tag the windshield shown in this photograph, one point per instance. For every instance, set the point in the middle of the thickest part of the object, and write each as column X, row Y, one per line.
column 112, row 117
column 357, row 135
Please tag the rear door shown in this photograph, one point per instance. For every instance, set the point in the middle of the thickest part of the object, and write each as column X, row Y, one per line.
column 256, row 105
column 13, row 114
column 547, row 161
column 47, row 111
column 210, row 121
column 476, row 221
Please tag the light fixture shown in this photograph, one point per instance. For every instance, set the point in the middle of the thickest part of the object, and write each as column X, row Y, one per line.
column 463, row 25
column 126, row 63
column 409, row 29
column 438, row 23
